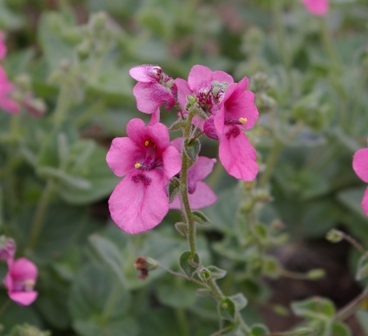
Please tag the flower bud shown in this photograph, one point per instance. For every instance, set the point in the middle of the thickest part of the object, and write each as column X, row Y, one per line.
column 144, row 265
column 334, row 236
column 35, row 106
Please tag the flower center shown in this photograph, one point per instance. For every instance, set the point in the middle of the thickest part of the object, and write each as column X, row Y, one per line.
column 150, row 158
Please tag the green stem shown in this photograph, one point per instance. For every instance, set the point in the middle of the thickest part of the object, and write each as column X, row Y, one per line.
column 39, row 216
column 4, row 306
column 182, row 321
column 352, row 307
column 187, row 212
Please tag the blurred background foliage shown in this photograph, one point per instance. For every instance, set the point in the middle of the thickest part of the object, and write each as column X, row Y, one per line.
column 310, row 76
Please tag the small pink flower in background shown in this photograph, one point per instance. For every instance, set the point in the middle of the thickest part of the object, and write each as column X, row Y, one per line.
column 147, row 161
column 153, row 89
column 237, row 112
column 360, row 166
column 199, row 193
column 20, row 281
column 7, row 248
column 6, row 88
column 317, row 7
column 2, row 46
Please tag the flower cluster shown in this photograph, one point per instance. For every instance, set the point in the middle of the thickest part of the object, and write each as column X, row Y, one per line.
column 211, row 104
column 317, row 7
column 360, row 166
column 21, row 276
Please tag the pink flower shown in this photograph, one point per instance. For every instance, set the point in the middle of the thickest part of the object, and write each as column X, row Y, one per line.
column 199, row 193
column 202, row 81
column 153, row 89
column 20, row 281
column 237, row 112
column 148, row 161
column 6, row 88
column 7, row 248
column 316, row 7
column 2, row 46
column 360, row 166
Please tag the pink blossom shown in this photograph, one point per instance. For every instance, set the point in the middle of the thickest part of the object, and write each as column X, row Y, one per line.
column 147, row 161
column 199, row 193
column 6, row 88
column 153, row 89
column 360, row 166
column 316, row 7
column 7, row 248
column 2, row 46
column 20, row 281
column 201, row 82
column 237, row 112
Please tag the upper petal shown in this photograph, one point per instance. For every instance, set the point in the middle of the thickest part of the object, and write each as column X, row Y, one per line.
column 238, row 156
column 183, row 91
column 145, row 73
column 23, row 269
column 360, row 164
column 139, row 202
column 199, row 76
column 317, row 7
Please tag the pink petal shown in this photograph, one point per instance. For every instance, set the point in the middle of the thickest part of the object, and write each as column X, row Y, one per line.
column 222, row 77
column 317, row 7
column 365, row 202
column 171, row 162
column 151, row 95
column 155, row 118
column 201, row 198
column 199, row 77
column 237, row 154
column 360, row 164
column 23, row 269
column 122, row 156
column 145, row 73
column 139, row 202
column 23, row 298
column 139, row 133
column 183, row 91
column 200, row 169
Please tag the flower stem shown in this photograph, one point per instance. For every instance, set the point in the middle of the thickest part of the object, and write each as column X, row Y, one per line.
column 352, row 307
column 186, row 211
column 39, row 215
column 61, row 106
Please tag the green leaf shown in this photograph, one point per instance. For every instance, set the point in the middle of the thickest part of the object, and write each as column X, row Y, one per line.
column 182, row 228
column 203, row 292
column 99, row 305
column 216, row 273
column 340, row 329
column 352, row 198
column 362, row 269
column 227, row 309
column 192, row 148
column 259, row 330
column 200, row 217
column 188, row 263
column 314, row 309
column 177, row 294
column 174, row 188
column 239, row 300
column 27, row 330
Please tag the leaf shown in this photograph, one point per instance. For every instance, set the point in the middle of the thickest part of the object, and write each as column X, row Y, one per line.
column 239, row 300
column 192, row 148
column 340, row 329
column 187, row 263
column 314, row 309
column 352, row 198
column 362, row 269
column 99, row 305
column 259, row 330
column 227, row 309
column 200, row 218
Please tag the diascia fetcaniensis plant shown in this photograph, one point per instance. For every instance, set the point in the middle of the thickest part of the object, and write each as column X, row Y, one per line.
column 163, row 165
